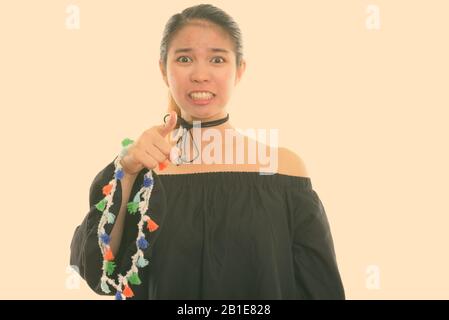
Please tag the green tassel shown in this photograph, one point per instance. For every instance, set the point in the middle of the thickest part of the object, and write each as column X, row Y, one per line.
column 111, row 217
column 142, row 262
column 101, row 205
column 109, row 266
column 132, row 207
column 105, row 287
column 126, row 142
column 134, row 278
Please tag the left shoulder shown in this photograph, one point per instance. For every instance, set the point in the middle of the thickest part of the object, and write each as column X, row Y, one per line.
column 290, row 163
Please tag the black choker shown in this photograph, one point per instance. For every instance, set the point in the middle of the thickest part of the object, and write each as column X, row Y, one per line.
column 186, row 128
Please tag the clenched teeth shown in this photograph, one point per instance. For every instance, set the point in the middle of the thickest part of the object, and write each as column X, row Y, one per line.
column 204, row 95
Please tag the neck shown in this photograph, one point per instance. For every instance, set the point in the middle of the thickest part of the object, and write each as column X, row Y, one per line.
column 199, row 132
column 220, row 127
column 190, row 118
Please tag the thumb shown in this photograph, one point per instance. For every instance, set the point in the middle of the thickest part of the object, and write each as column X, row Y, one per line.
column 170, row 124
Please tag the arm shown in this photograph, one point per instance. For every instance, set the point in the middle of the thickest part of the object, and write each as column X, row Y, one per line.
column 316, row 270
column 127, row 183
column 85, row 253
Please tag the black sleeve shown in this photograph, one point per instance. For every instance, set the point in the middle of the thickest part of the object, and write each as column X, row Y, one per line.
column 85, row 255
column 316, row 270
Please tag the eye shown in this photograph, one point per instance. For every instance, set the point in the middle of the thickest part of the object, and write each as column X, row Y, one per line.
column 183, row 57
column 219, row 58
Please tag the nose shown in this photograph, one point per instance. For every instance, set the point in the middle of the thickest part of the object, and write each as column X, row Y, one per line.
column 200, row 73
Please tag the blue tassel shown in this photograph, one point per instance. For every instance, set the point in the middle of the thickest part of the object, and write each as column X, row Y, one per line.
column 105, row 238
column 142, row 243
column 147, row 182
column 119, row 174
column 118, row 296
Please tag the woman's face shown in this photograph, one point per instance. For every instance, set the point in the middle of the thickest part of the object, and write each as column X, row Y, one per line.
column 201, row 70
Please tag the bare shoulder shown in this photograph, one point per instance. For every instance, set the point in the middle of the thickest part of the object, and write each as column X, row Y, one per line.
column 290, row 163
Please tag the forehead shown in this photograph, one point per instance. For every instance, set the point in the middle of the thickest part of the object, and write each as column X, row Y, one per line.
column 200, row 35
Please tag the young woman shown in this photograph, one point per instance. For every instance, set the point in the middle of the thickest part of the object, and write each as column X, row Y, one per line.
column 217, row 231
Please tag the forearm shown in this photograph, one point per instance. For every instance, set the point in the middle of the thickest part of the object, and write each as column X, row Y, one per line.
column 127, row 183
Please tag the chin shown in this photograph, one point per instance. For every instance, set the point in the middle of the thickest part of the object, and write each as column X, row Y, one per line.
column 202, row 113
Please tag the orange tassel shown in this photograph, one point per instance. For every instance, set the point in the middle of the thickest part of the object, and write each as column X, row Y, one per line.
column 127, row 292
column 108, row 255
column 162, row 165
column 151, row 225
column 107, row 189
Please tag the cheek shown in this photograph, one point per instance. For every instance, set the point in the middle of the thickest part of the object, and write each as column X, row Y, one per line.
column 227, row 82
column 176, row 80
column 223, row 80
column 223, row 76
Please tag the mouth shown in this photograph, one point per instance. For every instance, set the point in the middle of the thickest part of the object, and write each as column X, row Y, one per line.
column 201, row 97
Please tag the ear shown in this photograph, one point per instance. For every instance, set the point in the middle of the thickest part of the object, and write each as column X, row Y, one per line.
column 240, row 70
column 163, row 71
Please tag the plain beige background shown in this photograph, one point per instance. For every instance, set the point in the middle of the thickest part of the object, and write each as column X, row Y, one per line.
column 365, row 108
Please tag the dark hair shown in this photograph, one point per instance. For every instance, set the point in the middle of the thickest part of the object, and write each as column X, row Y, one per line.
column 205, row 12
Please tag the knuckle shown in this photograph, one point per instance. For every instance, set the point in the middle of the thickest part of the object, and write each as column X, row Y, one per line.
column 152, row 163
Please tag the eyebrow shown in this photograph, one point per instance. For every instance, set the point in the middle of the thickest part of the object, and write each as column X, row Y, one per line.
column 210, row 49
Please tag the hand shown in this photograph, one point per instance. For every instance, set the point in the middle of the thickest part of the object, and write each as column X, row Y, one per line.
column 151, row 148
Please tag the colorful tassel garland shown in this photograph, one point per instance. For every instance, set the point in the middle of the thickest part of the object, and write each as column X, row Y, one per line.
column 142, row 243
column 136, row 198
column 101, row 205
column 142, row 262
column 107, row 189
column 132, row 207
column 126, row 142
column 104, row 237
column 109, row 266
column 139, row 204
column 134, row 279
column 151, row 225
column 162, row 165
column 108, row 255
column 111, row 217
column 119, row 174
column 127, row 292
column 124, row 152
column 105, row 287
column 147, row 182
